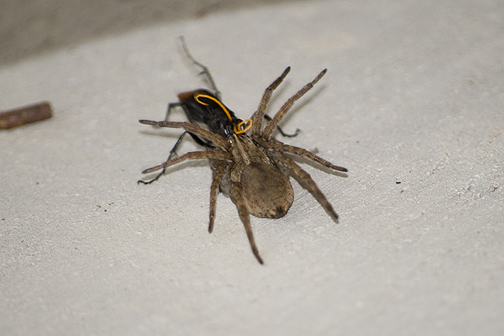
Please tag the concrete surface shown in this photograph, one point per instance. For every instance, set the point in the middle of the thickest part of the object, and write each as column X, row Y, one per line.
column 412, row 105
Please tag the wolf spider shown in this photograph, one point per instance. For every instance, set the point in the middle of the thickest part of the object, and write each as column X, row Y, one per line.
column 252, row 170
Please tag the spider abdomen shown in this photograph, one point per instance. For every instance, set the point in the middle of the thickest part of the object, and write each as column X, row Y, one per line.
column 267, row 192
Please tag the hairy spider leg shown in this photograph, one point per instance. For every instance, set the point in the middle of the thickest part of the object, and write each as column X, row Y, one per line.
column 268, row 130
column 237, row 195
column 214, row 191
column 216, row 139
column 309, row 155
column 304, row 179
column 277, row 145
column 214, row 154
column 280, row 130
column 191, row 129
column 261, row 110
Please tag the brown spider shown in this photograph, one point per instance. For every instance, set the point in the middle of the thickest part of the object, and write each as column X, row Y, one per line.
column 252, row 170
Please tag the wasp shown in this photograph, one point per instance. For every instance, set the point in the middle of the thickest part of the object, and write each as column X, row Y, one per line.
column 249, row 165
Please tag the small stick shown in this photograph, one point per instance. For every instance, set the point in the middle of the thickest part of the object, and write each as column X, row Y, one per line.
column 25, row 115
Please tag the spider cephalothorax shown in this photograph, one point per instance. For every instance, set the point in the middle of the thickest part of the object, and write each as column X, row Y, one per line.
column 251, row 169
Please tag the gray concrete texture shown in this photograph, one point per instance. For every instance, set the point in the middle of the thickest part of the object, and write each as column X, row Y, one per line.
column 412, row 105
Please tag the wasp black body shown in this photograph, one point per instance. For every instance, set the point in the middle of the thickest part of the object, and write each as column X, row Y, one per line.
column 202, row 106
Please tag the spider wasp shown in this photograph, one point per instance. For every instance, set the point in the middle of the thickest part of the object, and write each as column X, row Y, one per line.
column 252, row 170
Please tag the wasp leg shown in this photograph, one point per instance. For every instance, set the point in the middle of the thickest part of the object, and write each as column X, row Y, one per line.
column 173, row 152
column 204, row 69
column 268, row 118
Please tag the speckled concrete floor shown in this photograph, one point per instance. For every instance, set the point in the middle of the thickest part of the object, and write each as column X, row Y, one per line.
column 412, row 105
